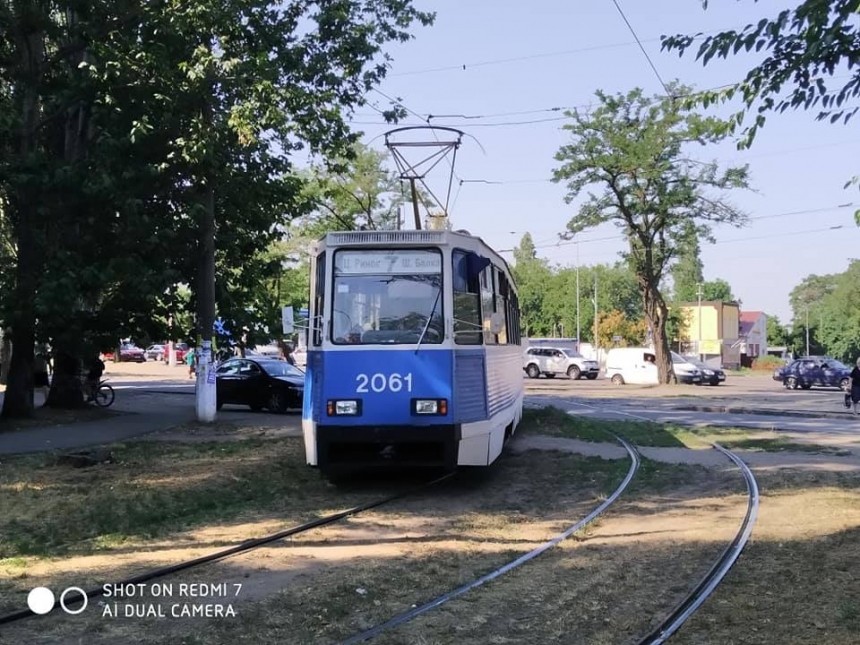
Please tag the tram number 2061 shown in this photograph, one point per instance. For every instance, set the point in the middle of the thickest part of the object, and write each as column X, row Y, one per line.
column 383, row 382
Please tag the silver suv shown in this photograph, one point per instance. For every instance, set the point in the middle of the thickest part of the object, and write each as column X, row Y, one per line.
column 558, row 360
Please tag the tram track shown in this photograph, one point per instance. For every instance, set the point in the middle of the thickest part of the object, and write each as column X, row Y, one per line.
column 413, row 613
column 244, row 547
column 706, row 586
column 672, row 622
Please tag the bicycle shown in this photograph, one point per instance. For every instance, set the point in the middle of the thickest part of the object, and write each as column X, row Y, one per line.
column 103, row 396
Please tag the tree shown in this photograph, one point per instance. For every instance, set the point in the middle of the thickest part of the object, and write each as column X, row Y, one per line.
column 614, row 324
column 532, row 276
column 810, row 295
column 777, row 334
column 717, row 290
column 805, row 47
column 119, row 120
column 635, row 149
column 358, row 191
column 836, row 318
column 687, row 271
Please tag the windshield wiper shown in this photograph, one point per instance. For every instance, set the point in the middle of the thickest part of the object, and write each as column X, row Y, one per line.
column 429, row 319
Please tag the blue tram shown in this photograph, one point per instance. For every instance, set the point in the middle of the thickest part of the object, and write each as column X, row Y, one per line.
column 414, row 355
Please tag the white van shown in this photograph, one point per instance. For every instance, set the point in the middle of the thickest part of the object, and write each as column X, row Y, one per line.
column 633, row 365
column 637, row 366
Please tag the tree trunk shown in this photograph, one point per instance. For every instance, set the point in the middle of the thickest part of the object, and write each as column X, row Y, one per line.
column 5, row 355
column 656, row 313
column 18, row 400
column 66, row 389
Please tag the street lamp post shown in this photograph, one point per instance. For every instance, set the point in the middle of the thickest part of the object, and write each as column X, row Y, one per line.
column 699, row 341
column 578, row 341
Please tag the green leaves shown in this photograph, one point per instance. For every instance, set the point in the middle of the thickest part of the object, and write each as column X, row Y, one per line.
column 806, row 46
column 629, row 161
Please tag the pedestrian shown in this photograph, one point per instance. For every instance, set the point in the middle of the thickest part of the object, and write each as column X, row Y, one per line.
column 189, row 361
column 95, row 370
column 288, row 354
column 40, row 373
column 855, row 386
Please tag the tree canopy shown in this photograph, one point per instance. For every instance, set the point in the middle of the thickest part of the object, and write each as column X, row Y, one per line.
column 632, row 154
column 812, row 61
column 125, row 127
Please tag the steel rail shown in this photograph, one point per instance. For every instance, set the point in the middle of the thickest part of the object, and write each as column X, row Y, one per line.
column 718, row 570
column 248, row 545
column 406, row 616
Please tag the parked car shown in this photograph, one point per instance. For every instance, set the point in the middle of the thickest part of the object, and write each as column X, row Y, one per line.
column 710, row 375
column 260, row 383
column 155, row 352
column 685, row 370
column 128, row 353
column 553, row 361
column 180, row 349
column 808, row 371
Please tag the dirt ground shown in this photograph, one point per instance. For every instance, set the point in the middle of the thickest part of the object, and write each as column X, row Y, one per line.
column 796, row 582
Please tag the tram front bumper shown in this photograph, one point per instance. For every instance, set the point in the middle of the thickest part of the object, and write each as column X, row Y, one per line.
column 348, row 448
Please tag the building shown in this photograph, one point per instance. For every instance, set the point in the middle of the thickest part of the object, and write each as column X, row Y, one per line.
column 753, row 336
column 711, row 330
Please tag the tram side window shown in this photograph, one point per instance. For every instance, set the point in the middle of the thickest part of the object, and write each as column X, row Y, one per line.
column 319, row 300
column 516, row 332
column 503, row 336
column 467, row 302
column 488, row 304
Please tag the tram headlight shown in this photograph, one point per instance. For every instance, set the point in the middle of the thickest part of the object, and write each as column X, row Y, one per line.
column 430, row 406
column 349, row 407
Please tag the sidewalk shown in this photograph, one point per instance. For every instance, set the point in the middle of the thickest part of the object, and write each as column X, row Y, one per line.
column 84, row 434
column 140, row 414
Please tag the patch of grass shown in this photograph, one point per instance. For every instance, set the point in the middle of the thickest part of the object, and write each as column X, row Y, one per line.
column 558, row 423
column 12, row 563
column 153, row 489
column 555, row 422
column 777, row 444
column 849, row 613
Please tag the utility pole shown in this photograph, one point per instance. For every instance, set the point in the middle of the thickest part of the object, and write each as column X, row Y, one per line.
column 205, row 392
column 699, row 342
column 578, row 332
column 807, row 329
column 171, row 348
column 415, row 204
column 596, row 341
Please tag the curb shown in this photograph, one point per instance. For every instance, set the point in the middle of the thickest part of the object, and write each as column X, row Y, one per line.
column 770, row 413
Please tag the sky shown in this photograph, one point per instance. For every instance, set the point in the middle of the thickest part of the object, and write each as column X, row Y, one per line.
column 514, row 64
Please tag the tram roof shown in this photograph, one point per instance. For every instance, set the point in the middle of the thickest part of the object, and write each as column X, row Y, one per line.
column 335, row 239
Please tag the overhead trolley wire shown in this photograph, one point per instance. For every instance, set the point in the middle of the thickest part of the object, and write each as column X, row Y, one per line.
column 809, row 211
column 639, row 42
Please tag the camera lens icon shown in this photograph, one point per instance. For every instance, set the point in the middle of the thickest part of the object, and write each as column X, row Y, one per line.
column 41, row 600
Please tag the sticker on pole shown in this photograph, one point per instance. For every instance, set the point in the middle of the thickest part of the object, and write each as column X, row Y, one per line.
column 210, row 377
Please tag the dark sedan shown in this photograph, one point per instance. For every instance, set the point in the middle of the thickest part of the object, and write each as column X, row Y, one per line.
column 710, row 375
column 811, row 371
column 260, row 383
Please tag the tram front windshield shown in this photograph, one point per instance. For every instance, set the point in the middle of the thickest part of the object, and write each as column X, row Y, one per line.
column 387, row 297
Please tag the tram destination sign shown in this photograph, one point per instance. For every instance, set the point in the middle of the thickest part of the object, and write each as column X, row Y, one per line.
column 387, row 262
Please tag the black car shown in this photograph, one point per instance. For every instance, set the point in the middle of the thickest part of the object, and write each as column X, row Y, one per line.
column 260, row 383
column 820, row 371
column 710, row 375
